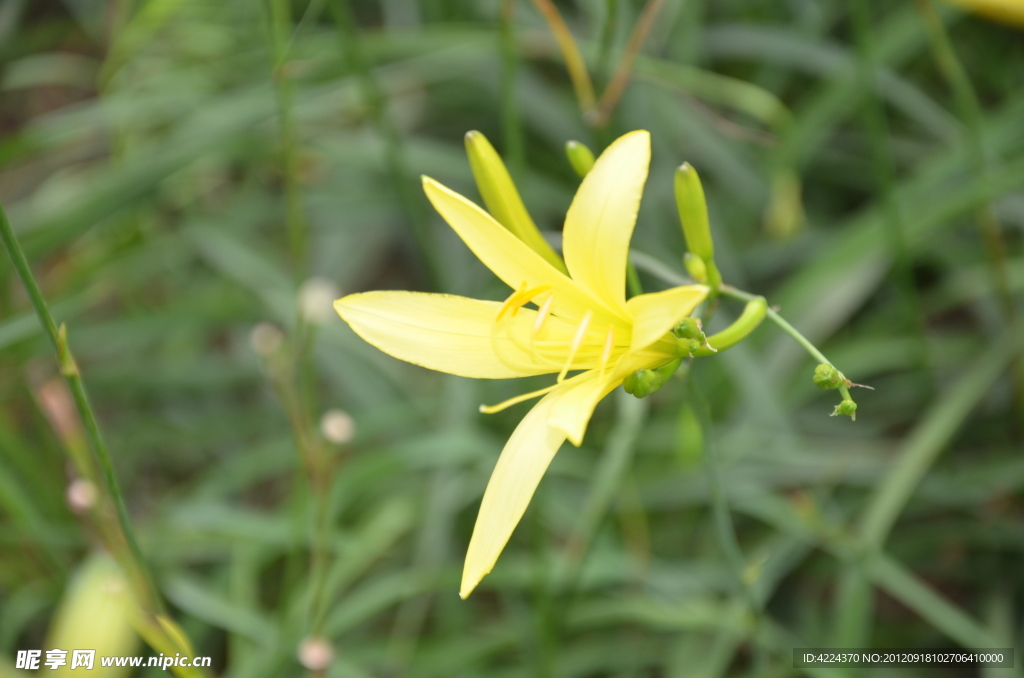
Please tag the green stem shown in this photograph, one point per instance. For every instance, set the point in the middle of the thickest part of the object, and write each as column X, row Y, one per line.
column 730, row 291
column 74, row 380
column 295, row 220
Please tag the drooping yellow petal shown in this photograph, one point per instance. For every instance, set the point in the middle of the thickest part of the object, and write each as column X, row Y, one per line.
column 657, row 313
column 520, row 467
column 600, row 221
column 502, row 199
column 510, row 259
column 571, row 412
column 446, row 333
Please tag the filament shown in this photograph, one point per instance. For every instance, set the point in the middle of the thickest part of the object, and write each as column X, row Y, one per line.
column 491, row 409
column 609, row 344
column 581, row 331
column 542, row 314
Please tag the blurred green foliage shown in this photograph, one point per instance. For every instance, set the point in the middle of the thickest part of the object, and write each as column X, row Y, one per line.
column 177, row 170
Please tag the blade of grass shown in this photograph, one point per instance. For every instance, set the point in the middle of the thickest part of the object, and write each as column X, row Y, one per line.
column 155, row 626
column 902, row 585
column 280, row 34
column 574, row 63
column 620, row 78
column 58, row 338
column 931, row 436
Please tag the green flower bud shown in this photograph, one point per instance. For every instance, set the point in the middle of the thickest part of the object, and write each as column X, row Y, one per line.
column 643, row 383
column 97, row 612
column 696, row 267
column 689, row 328
column 693, row 212
column 847, row 407
column 502, row 199
column 827, row 377
column 580, row 157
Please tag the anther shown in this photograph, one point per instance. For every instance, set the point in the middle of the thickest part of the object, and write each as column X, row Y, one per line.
column 512, row 301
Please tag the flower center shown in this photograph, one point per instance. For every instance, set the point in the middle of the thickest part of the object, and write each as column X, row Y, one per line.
column 551, row 343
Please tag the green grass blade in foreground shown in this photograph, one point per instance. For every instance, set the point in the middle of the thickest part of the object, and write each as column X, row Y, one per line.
column 154, row 626
column 932, row 435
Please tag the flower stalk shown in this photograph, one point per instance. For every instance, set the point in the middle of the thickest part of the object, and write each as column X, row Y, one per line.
column 152, row 623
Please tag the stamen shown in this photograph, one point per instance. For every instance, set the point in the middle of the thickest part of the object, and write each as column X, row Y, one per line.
column 519, row 298
column 491, row 409
column 581, row 332
column 542, row 314
column 512, row 301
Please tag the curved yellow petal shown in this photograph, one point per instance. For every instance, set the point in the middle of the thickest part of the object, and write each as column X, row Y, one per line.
column 520, row 467
column 575, row 404
column 511, row 259
column 595, row 241
column 446, row 333
column 656, row 314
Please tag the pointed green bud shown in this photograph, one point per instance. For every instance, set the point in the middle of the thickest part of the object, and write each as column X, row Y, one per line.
column 643, row 383
column 847, row 407
column 696, row 267
column 580, row 157
column 502, row 199
column 827, row 377
column 693, row 212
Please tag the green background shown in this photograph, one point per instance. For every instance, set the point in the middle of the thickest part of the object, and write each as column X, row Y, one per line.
column 177, row 169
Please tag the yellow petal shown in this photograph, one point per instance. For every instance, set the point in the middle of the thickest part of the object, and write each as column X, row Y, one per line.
column 446, row 333
column 511, row 259
column 502, row 199
column 575, row 404
column 515, row 478
column 656, row 314
column 600, row 221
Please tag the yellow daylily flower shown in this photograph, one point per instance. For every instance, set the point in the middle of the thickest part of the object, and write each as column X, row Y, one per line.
column 582, row 324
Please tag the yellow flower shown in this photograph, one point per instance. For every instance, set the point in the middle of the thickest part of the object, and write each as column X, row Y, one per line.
column 582, row 324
